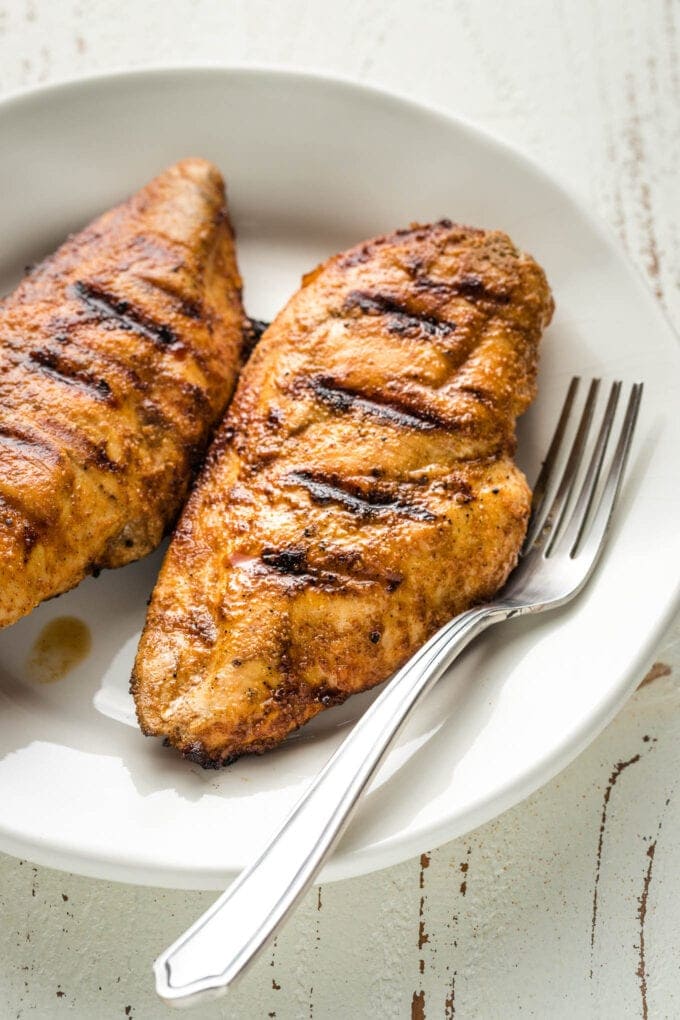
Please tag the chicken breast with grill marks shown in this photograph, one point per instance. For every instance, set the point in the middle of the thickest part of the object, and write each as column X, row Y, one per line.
column 117, row 356
column 360, row 492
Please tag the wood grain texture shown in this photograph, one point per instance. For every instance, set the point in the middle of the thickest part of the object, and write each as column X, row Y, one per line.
column 567, row 905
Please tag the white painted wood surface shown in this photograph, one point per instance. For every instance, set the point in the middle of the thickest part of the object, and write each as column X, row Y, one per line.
column 567, row 906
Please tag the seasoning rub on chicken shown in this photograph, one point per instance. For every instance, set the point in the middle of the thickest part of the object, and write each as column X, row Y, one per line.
column 117, row 356
column 360, row 492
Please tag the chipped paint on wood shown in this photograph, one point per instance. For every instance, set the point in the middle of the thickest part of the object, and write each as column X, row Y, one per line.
column 423, row 936
column 613, row 779
column 450, row 1000
column 658, row 670
column 642, row 971
column 418, row 1006
column 642, row 916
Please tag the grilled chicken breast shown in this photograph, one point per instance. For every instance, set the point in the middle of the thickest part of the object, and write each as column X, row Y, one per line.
column 360, row 492
column 117, row 356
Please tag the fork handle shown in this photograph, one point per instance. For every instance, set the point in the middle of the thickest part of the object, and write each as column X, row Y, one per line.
column 208, row 957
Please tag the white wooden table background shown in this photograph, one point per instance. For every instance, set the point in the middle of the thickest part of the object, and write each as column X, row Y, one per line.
column 566, row 906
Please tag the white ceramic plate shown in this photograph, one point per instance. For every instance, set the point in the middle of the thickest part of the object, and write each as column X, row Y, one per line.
column 314, row 165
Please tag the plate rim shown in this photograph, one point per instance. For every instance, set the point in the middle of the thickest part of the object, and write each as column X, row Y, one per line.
column 401, row 846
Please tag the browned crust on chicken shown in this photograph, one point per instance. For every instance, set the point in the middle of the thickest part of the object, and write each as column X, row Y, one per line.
column 117, row 356
column 360, row 492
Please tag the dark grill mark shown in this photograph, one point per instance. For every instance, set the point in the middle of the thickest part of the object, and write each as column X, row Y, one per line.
column 54, row 364
column 90, row 454
column 400, row 319
column 286, row 561
column 130, row 383
column 482, row 396
column 290, row 567
column 29, row 443
column 190, row 307
column 126, row 316
column 341, row 399
column 468, row 286
column 366, row 504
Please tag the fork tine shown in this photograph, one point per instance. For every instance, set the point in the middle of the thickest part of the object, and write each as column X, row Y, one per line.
column 591, row 544
column 548, row 465
column 552, row 522
column 584, row 502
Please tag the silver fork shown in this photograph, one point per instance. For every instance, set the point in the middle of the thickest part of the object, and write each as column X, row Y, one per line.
column 566, row 534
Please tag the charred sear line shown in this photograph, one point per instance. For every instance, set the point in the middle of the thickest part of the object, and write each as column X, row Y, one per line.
column 291, row 569
column 76, row 446
column 341, row 399
column 292, row 560
column 26, row 442
column 296, row 582
column 54, row 364
column 364, row 503
column 125, row 315
column 480, row 395
column 469, row 286
column 189, row 307
column 399, row 319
